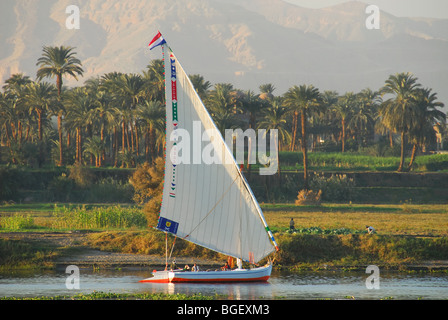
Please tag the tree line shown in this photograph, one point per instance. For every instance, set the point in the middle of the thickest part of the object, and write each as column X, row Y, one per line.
column 118, row 119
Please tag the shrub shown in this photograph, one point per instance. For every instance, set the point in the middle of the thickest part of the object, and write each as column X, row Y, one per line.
column 148, row 185
column 82, row 176
column 309, row 197
column 337, row 187
column 110, row 190
column 8, row 184
column 60, row 188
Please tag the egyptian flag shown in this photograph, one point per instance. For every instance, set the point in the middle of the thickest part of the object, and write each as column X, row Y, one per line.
column 157, row 41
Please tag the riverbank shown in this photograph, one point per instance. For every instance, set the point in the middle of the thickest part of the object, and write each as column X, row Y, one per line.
column 73, row 248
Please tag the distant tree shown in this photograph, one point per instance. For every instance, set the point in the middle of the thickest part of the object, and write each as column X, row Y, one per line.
column 39, row 97
column 151, row 117
column 200, row 85
column 274, row 118
column 266, row 91
column 345, row 107
column 58, row 62
column 428, row 116
column 95, row 146
column 79, row 105
column 303, row 100
column 154, row 78
column 399, row 113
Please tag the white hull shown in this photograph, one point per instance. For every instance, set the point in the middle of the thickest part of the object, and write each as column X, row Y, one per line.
column 237, row 275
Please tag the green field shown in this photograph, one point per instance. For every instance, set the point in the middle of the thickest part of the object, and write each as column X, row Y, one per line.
column 329, row 234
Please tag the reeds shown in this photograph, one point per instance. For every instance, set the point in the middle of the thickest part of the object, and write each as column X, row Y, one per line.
column 17, row 222
column 97, row 218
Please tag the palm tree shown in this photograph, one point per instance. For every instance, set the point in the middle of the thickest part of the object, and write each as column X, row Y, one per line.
column 14, row 109
column 253, row 106
column 58, row 62
column 15, row 84
column 303, row 100
column 151, row 115
column 39, row 97
column 345, row 107
column 95, row 146
column 266, row 91
column 274, row 118
column 223, row 105
column 399, row 113
column 362, row 121
column 428, row 117
column 154, row 78
column 330, row 119
column 104, row 113
column 79, row 105
column 128, row 91
column 200, row 85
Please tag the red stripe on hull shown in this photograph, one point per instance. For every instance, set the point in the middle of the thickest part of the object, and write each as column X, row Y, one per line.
column 177, row 280
column 265, row 278
column 156, row 281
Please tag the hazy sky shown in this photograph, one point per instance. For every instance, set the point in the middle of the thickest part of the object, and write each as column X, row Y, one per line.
column 399, row 8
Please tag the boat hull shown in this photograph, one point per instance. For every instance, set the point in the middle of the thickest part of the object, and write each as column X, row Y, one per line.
column 237, row 275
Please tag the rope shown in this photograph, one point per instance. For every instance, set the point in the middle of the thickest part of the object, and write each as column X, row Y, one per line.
column 211, row 210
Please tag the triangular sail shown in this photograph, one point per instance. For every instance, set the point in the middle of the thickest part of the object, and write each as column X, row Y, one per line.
column 209, row 204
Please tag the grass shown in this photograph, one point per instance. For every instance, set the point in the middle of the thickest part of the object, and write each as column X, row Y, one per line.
column 403, row 219
column 98, row 218
column 351, row 161
column 48, row 217
column 123, row 296
column 331, row 234
column 23, row 255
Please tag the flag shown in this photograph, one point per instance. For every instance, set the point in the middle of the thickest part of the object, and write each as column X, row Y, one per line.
column 157, row 41
column 167, row 225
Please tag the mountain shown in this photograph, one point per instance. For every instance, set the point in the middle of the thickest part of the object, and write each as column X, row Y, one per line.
column 243, row 42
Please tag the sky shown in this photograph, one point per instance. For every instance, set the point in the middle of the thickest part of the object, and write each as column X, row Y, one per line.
column 399, row 8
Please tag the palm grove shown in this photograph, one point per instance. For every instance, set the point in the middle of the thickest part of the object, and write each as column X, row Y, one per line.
column 118, row 119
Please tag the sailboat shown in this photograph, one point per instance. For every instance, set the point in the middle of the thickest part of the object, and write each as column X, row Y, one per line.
column 208, row 203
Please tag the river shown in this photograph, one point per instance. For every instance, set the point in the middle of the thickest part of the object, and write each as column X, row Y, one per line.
column 281, row 285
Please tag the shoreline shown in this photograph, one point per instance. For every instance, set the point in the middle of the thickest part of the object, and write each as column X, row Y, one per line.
column 88, row 257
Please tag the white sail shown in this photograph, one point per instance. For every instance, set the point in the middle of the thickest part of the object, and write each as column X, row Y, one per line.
column 208, row 204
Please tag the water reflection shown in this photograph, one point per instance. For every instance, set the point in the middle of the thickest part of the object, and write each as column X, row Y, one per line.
column 304, row 285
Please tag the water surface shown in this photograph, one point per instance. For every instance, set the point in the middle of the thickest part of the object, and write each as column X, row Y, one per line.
column 281, row 285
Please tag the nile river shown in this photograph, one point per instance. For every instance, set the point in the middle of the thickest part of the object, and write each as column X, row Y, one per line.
column 285, row 285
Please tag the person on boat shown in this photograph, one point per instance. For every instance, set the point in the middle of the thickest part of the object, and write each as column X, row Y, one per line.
column 291, row 224
column 195, row 268
column 186, row 267
column 370, row 229
column 226, row 267
column 173, row 265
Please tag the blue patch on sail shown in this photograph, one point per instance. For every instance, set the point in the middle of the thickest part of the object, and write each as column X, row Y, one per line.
column 167, row 225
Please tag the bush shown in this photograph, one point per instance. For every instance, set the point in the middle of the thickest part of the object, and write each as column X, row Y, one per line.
column 147, row 181
column 60, row 188
column 337, row 187
column 8, row 185
column 109, row 190
column 82, row 176
column 309, row 197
